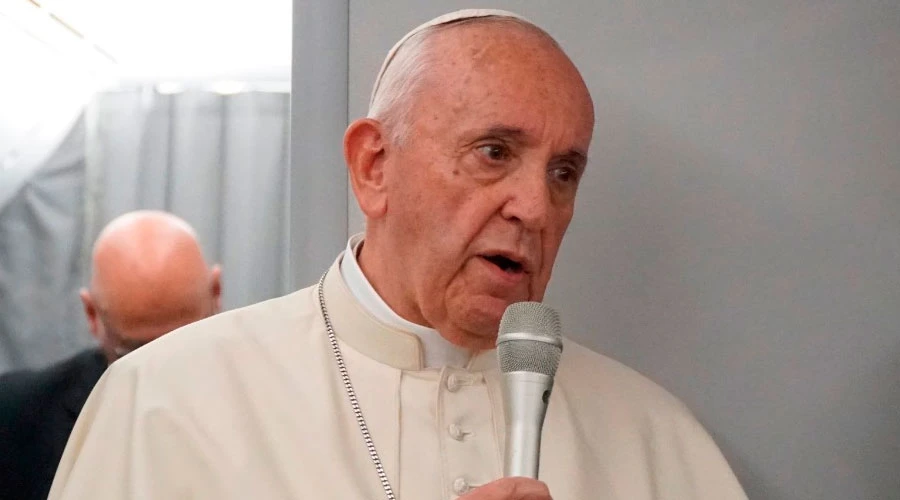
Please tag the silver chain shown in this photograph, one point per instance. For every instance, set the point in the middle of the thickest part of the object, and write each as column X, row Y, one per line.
column 351, row 394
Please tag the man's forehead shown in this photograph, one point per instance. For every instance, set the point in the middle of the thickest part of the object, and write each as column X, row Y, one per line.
column 448, row 18
column 489, row 77
column 526, row 93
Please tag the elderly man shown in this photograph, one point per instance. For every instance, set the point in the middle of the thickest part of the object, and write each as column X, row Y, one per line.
column 381, row 380
column 148, row 279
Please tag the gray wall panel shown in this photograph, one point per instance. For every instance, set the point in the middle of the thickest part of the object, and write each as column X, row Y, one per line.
column 737, row 236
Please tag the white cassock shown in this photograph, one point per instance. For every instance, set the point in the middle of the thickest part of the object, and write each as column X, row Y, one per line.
column 249, row 404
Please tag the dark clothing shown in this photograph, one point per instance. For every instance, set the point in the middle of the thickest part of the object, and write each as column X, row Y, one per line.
column 37, row 411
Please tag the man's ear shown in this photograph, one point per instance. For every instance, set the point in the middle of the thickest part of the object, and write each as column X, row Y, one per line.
column 364, row 152
column 90, row 312
column 215, row 287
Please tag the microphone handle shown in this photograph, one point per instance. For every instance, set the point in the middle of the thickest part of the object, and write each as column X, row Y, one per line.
column 525, row 398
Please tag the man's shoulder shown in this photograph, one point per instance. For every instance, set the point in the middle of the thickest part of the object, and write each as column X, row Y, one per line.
column 245, row 324
column 604, row 381
column 622, row 408
column 19, row 390
column 214, row 367
column 227, row 340
column 24, row 386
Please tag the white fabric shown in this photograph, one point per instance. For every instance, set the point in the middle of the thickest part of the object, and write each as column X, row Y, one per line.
column 438, row 351
column 249, row 404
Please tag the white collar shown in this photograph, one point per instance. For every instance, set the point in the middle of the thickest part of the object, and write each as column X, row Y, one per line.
column 439, row 352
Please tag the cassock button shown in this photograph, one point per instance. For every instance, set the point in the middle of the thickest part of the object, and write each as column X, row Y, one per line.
column 456, row 432
column 454, row 382
column 461, row 486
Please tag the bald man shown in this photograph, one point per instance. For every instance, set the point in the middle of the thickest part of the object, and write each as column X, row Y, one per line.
column 148, row 278
column 381, row 380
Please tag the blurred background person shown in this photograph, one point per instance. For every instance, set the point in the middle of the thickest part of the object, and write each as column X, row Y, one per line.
column 95, row 123
column 149, row 277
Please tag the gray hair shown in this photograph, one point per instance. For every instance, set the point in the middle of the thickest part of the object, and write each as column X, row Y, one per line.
column 405, row 69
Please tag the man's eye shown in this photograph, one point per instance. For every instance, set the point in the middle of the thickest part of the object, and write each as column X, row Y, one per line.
column 495, row 152
column 567, row 175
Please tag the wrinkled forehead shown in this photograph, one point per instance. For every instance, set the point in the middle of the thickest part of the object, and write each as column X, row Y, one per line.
column 505, row 78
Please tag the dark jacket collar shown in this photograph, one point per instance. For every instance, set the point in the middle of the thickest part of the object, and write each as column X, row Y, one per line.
column 85, row 369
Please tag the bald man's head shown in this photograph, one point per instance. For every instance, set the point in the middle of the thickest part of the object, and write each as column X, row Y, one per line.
column 149, row 278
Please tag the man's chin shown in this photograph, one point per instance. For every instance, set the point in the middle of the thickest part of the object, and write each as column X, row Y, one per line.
column 480, row 319
column 475, row 339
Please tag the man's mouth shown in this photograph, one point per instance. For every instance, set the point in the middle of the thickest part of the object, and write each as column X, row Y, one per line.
column 505, row 264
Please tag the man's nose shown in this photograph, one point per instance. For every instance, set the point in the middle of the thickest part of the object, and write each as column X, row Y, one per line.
column 529, row 198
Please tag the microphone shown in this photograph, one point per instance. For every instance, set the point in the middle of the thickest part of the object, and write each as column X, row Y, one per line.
column 528, row 346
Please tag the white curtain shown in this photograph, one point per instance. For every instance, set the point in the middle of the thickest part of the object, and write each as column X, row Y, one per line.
column 218, row 161
column 41, row 227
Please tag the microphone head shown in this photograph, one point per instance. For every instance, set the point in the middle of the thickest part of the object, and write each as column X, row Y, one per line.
column 529, row 339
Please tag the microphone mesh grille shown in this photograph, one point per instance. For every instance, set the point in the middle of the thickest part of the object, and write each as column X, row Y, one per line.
column 525, row 354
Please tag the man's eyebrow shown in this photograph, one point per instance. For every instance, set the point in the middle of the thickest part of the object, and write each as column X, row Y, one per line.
column 574, row 156
column 505, row 132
